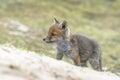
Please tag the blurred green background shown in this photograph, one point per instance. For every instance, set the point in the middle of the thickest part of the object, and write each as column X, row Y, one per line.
column 24, row 23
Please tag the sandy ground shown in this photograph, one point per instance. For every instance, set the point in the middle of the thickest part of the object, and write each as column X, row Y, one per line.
column 24, row 65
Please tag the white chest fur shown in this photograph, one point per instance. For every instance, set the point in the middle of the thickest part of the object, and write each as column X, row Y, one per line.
column 64, row 47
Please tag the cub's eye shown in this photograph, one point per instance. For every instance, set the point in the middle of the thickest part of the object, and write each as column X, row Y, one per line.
column 52, row 34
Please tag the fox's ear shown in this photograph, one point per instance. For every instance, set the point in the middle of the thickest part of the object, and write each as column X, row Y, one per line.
column 63, row 25
column 55, row 21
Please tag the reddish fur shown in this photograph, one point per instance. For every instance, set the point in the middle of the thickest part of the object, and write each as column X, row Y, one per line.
column 55, row 30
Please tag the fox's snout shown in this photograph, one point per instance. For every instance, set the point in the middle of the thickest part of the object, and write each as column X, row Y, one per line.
column 46, row 40
column 43, row 39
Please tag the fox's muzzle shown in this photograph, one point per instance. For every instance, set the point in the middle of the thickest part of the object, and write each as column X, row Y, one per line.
column 49, row 40
column 46, row 40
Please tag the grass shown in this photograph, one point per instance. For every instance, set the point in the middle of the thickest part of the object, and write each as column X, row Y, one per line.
column 96, row 19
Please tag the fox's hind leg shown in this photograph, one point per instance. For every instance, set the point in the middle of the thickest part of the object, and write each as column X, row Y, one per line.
column 77, row 61
column 83, row 63
column 95, row 60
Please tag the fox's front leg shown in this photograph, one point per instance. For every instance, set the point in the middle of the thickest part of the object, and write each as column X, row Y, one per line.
column 59, row 56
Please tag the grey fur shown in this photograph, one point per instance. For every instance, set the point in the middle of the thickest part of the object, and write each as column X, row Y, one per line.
column 88, row 50
column 63, row 48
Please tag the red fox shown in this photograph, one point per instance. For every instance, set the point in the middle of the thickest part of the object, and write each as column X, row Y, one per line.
column 77, row 47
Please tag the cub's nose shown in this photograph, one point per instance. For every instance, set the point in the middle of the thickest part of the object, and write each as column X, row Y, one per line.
column 43, row 39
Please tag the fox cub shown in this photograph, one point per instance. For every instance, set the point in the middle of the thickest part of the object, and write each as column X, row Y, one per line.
column 75, row 46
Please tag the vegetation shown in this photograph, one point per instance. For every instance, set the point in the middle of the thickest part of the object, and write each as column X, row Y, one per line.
column 99, row 20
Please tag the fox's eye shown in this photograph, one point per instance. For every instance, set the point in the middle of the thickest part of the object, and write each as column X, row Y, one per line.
column 52, row 34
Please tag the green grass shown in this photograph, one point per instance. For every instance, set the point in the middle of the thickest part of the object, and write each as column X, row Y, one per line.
column 99, row 20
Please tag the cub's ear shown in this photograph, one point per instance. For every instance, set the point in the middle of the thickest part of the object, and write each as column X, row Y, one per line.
column 63, row 25
column 55, row 21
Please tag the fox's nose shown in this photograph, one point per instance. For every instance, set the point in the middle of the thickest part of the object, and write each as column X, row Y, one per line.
column 43, row 39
